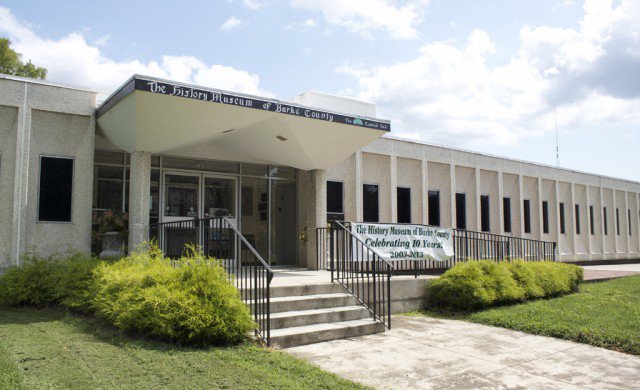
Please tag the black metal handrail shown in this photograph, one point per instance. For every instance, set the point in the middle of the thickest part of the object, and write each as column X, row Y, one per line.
column 362, row 271
column 218, row 238
column 467, row 245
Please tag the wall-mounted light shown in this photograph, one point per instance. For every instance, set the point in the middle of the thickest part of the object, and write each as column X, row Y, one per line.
column 282, row 137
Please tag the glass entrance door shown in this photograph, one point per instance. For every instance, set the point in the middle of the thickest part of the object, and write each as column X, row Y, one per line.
column 219, row 198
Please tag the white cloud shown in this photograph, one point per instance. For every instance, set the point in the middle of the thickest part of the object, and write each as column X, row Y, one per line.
column 366, row 16
column 448, row 93
column 252, row 4
column 231, row 23
column 71, row 59
column 302, row 26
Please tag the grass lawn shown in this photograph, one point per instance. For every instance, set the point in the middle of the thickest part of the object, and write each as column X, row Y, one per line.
column 605, row 314
column 53, row 349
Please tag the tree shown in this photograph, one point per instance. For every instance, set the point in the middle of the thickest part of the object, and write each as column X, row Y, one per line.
column 11, row 63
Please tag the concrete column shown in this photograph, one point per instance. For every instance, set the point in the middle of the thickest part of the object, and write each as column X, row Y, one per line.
column 628, row 222
column 500, row 197
column 558, row 233
column 602, row 222
column 316, row 212
column 21, row 183
column 425, row 191
column 637, row 217
column 615, row 223
column 540, row 227
column 393, row 164
column 452, row 201
column 588, row 215
column 358, row 176
column 521, row 204
column 478, row 193
column 573, row 215
column 139, row 190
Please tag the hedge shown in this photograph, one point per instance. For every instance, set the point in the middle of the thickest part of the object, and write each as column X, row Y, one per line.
column 193, row 303
column 475, row 284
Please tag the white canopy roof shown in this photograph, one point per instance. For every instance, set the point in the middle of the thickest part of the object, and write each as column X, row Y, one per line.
column 159, row 116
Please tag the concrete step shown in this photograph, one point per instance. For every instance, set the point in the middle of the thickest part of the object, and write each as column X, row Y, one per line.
column 310, row 289
column 290, row 319
column 309, row 334
column 311, row 302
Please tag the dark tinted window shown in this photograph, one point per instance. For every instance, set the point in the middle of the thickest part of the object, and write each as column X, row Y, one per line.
column 461, row 211
column 506, row 211
column 56, row 187
column 434, row 207
column 370, row 203
column 545, row 217
column 485, row 216
column 604, row 220
column 629, row 220
column 404, row 205
column 561, row 211
column 335, row 206
column 577, row 208
column 617, row 221
column 527, row 216
column 591, row 223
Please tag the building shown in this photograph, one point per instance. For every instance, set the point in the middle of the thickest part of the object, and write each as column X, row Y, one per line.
column 165, row 151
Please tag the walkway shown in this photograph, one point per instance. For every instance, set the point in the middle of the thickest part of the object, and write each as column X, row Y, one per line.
column 425, row 353
column 594, row 273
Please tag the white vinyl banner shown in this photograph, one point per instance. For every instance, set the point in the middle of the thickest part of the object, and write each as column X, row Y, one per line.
column 406, row 242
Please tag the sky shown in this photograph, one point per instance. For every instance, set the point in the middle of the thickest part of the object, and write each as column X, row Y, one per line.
column 498, row 77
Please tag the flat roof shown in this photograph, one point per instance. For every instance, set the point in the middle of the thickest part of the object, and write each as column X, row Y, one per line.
column 217, row 96
column 47, row 83
column 396, row 138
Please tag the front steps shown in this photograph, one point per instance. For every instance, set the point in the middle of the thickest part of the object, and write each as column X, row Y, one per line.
column 314, row 313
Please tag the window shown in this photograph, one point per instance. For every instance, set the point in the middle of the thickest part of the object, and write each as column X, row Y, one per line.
column 561, row 208
column 629, row 220
column 404, row 204
column 617, row 221
column 335, row 201
column 604, row 220
column 56, row 188
column 434, row 207
column 461, row 211
column 485, row 216
column 577, row 208
column 370, row 202
column 506, row 210
column 591, row 224
column 545, row 217
column 527, row 215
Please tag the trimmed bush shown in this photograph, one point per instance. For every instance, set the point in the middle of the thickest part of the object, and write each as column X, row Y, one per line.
column 194, row 303
column 474, row 285
column 48, row 281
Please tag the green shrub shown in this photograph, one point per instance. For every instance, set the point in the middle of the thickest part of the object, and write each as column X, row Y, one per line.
column 478, row 284
column 48, row 281
column 194, row 303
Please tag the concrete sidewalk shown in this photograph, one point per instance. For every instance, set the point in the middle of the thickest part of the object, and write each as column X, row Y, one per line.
column 429, row 353
column 595, row 273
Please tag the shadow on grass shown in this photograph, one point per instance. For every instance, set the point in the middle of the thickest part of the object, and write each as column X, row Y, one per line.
column 99, row 330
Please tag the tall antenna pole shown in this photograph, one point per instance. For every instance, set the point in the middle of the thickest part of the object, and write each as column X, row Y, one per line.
column 555, row 125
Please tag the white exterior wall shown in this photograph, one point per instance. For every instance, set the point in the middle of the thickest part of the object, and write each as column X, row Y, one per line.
column 42, row 119
column 391, row 162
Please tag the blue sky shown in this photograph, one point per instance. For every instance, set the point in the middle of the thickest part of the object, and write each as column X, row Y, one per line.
column 483, row 76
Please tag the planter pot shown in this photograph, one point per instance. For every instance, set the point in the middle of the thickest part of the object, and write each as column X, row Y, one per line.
column 112, row 244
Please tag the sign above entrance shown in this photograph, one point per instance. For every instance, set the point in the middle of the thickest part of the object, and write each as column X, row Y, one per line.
column 406, row 242
column 213, row 96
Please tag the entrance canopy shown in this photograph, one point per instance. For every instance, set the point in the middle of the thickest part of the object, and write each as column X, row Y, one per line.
column 163, row 117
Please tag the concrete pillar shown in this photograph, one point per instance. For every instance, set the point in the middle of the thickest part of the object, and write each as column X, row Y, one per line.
column 602, row 222
column 521, row 203
column 588, row 217
column 616, row 221
column 558, row 232
column 452, row 197
column 393, row 165
column 139, row 190
column 425, row 191
column 540, row 227
column 627, row 223
column 574, row 222
column 21, row 183
column 316, row 212
column 358, row 177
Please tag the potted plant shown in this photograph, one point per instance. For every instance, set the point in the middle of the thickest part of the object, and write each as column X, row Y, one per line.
column 112, row 230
